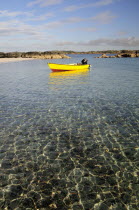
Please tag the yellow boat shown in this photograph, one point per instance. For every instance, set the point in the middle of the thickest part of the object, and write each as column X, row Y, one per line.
column 68, row 67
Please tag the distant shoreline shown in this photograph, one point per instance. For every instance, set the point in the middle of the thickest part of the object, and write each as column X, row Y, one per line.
column 21, row 56
column 14, row 57
column 37, row 55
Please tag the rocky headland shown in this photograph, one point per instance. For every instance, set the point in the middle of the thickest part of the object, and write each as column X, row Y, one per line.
column 37, row 55
column 121, row 55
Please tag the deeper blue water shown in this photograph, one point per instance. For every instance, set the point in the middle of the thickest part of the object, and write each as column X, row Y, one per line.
column 70, row 140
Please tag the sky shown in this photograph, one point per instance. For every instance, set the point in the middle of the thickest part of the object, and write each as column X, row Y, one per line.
column 78, row 25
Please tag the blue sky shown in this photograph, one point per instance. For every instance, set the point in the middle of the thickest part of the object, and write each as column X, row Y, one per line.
column 79, row 25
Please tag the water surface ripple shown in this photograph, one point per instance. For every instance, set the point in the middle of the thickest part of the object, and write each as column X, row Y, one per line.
column 70, row 140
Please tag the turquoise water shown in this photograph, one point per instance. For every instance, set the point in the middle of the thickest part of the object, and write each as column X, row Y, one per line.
column 70, row 140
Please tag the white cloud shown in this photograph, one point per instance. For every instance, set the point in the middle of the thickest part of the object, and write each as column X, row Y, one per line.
column 32, row 3
column 121, row 33
column 104, row 17
column 89, row 29
column 53, row 24
column 44, row 3
column 123, row 42
column 65, row 43
column 82, row 6
column 15, row 28
column 9, row 23
column 72, row 8
column 28, row 16
column 103, row 3
column 98, row 44
column 41, row 17
column 18, row 31
column 73, row 20
column 6, row 13
column 85, row 29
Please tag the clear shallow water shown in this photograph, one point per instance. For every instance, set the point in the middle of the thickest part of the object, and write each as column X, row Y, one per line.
column 70, row 141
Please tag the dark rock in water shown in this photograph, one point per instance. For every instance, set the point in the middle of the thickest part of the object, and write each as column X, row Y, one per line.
column 15, row 204
column 119, row 157
column 119, row 206
column 13, row 192
column 10, row 155
column 111, row 181
column 63, row 193
column 26, row 203
column 88, row 205
column 103, row 206
column 110, row 172
column 77, row 152
column 53, row 154
column 67, row 201
column 32, row 166
column 130, row 153
column 74, row 198
column 18, row 169
column 125, row 197
column 101, row 170
column 91, row 196
column 77, row 206
column 55, row 182
column 1, row 195
column 2, row 204
column 100, row 180
column 60, row 204
column 6, row 164
column 91, row 164
column 64, row 136
column 34, row 195
column 60, row 183
column 3, row 180
column 109, row 202
column 67, row 164
column 44, row 203
column 46, row 188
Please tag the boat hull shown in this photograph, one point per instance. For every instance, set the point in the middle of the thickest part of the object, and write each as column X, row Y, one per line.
column 67, row 67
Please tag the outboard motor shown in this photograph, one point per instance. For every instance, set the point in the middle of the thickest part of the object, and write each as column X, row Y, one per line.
column 84, row 61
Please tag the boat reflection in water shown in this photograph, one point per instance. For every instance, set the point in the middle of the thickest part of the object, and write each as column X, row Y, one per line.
column 64, row 77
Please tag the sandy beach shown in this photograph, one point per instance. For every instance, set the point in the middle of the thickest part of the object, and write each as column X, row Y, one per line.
column 6, row 60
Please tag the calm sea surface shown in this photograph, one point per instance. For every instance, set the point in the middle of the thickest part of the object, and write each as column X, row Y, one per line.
column 70, row 140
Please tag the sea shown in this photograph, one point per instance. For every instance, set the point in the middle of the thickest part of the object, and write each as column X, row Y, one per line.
column 70, row 140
